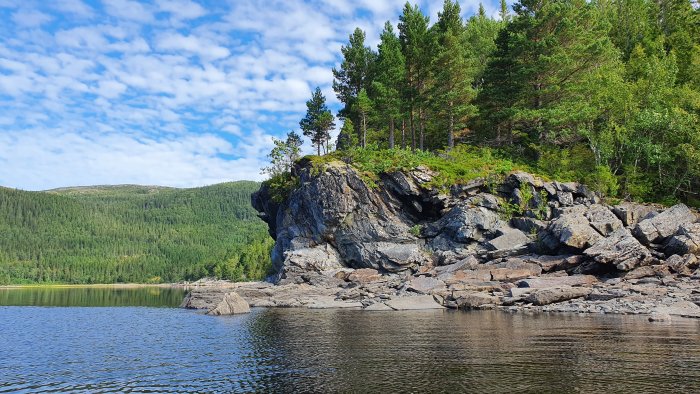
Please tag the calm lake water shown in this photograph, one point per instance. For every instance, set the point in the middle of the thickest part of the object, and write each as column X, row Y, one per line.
column 157, row 349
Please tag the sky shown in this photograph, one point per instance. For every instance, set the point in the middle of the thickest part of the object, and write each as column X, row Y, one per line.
column 179, row 93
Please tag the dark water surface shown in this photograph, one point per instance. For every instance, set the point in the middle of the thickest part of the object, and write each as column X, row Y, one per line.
column 147, row 349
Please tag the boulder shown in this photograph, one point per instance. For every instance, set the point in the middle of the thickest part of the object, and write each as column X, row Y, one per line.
column 684, row 265
column 555, row 263
column 476, row 300
column 621, row 249
column 680, row 308
column 512, row 270
column 556, row 294
column 511, row 241
column 602, row 219
column 631, row 213
column 364, row 275
column 413, row 303
column 468, row 263
column 425, row 285
column 231, row 304
column 570, row 229
column 647, row 272
column 686, row 240
column 558, row 281
column 657, row 229
column 464, row 224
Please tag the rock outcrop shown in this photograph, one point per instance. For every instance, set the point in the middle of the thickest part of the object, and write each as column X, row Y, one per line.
column 517, row 242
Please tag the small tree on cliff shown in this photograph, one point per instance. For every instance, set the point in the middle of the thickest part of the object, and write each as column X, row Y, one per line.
column 318, row 122
column 284, row 154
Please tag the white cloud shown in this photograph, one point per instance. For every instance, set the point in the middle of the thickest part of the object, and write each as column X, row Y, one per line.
column 75, row 7
column 192, row 44
column 30, row 18
column 170, row 92
column 182, row 9
column 128, row 10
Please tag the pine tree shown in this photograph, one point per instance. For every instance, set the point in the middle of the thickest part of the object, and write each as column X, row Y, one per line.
column 388, row 73
column 353, row 74
column 347, row 138
column 416, row 48
column 452, row 75
column 363, row 107
column 318, row 122
column 550, row 60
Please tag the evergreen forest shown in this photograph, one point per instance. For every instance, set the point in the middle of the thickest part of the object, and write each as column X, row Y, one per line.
column 605, row 91
column 139, row 234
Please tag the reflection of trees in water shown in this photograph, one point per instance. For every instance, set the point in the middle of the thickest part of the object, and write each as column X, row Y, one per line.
column 344, row 350
column 91, row 296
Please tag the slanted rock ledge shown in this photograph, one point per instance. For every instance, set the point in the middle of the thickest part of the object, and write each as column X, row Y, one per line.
column 515, row 243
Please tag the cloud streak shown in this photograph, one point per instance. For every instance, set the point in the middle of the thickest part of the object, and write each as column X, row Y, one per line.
column 167, row 92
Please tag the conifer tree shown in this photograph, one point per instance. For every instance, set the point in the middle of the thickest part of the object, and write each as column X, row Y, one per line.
column 318, row 122
column 416, row 47
column 353, row 74
column 388, row 73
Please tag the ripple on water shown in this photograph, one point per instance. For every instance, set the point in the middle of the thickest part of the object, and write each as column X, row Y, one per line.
column 281, row 350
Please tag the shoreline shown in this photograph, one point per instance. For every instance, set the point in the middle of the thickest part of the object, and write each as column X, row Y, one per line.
column 94, row 285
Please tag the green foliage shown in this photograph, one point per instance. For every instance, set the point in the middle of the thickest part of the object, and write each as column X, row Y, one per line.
column 318, row 121
column 283, row 155
column 415, row 230
column 601, row 92
column 140, row 234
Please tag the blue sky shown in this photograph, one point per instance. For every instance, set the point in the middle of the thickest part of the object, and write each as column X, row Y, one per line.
column 165, row 92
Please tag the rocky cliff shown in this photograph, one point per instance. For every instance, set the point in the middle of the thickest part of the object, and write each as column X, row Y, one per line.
column 474, row 243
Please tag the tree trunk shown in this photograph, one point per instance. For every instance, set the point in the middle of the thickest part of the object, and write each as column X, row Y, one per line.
column 413, row 132
column 319, row 147
column 450, row 131
column 421, row 125
column 364, row 130
column 391, row 133
column 403, row 133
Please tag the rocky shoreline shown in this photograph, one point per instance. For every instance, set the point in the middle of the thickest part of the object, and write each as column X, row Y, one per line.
column 515, row 243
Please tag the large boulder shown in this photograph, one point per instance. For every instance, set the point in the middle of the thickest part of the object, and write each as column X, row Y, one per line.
column 571, row 229
column 686, row 240
column 620, row 249
column 657, row 229
column 231, row 304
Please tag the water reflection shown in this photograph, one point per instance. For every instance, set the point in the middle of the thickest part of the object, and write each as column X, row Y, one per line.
column 91, row 296
column 299, row 350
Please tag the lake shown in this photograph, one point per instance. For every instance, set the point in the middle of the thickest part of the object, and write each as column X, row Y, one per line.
column 157, row 347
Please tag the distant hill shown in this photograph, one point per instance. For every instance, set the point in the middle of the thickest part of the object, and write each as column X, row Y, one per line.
column 130, row 233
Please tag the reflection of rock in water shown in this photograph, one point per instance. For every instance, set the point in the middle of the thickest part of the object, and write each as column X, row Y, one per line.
column 436, row 351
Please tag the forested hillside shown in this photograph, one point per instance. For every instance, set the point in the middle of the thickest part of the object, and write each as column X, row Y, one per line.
column 111, row 234
column 606, row 91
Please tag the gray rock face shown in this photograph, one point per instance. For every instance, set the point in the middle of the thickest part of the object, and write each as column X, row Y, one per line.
column 336, row 232
column 657, row 229
column 620, row 249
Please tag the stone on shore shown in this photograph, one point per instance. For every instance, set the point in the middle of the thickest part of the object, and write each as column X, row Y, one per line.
column 413, row 303
column 556, row 294
column 231, row 304
column 657, row 229
column 620, row 249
